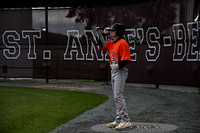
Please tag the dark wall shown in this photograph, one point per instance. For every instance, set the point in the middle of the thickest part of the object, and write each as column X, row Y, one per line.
column 163, row 38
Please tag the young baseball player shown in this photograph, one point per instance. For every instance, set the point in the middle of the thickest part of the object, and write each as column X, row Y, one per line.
column 119, row 54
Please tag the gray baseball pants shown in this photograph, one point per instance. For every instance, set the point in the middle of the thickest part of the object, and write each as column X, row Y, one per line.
column 118, row 78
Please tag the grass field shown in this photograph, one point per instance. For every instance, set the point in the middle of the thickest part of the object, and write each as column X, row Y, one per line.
column 32, row 110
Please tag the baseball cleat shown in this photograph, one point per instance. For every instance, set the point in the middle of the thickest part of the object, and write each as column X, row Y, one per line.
column 112, row 124
column 123, row 125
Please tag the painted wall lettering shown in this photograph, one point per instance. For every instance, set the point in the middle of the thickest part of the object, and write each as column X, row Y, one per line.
column 152, row 38
column 184, row 41
column 92, row 47
column 10, row 39
column 193, row 46
column 74, row 46
column 31, row 35
column 179, row 42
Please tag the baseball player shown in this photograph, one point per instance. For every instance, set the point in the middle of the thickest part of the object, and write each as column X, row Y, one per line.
column 119, row 53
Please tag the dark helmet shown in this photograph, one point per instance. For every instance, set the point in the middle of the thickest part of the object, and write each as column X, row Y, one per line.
column 119, row 28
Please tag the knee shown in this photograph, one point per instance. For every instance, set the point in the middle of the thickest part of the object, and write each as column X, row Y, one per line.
column 117, row 98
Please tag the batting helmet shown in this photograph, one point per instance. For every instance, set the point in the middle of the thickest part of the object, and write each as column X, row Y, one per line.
column 119, row 28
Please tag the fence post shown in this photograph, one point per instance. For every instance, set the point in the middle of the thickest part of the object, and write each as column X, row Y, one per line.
column 46, row 42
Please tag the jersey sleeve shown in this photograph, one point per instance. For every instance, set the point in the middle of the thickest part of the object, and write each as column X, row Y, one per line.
column 125, row 51
column 102, row 48
column 108, row 45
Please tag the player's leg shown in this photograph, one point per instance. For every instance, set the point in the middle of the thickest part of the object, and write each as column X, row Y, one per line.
column 116, row 122
column 119, row 85
column 118, row 78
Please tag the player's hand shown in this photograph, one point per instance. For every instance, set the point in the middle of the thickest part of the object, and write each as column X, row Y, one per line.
column 106, row 30
column 97, row 27
column 114, row 66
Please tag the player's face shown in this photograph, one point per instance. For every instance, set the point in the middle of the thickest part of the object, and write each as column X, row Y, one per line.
column 113, row 34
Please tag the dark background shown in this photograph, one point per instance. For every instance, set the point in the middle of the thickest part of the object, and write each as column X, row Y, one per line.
column 85, row 16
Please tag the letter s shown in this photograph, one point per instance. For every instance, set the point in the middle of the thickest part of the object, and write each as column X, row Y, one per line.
column 10, row 38
column 152, row 37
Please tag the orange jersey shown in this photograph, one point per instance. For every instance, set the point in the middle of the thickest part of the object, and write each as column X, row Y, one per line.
column 118, row 51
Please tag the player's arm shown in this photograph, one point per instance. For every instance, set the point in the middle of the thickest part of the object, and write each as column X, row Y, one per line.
column 99, row 41
column 100, row 44
column 123, row 63
column 124, row 57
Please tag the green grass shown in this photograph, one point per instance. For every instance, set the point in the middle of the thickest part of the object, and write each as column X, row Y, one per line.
column 32, row 110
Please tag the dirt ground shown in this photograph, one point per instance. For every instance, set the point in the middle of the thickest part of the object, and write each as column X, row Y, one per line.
column 144, row 105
